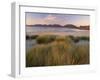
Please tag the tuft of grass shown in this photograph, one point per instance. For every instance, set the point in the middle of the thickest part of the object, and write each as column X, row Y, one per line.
column 81, row 54
column 34, row 36
column 44, row 39
column 31, row 37
column 77, row 39
column 53, row 50
column 84, row 38
column 55, row 53
column 27, row 37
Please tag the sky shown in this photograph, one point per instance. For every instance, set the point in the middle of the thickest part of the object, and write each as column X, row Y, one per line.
column 61, row 19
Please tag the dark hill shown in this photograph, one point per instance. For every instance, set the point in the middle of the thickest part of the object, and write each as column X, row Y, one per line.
column 70, row 26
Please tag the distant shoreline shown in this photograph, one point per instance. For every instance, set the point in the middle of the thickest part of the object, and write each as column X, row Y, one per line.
column 70, row 26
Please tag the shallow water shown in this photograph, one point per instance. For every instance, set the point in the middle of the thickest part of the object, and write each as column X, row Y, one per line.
column 56, row 30
column 30, row 44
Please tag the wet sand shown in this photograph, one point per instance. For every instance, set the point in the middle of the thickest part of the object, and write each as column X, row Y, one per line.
column 78, row 33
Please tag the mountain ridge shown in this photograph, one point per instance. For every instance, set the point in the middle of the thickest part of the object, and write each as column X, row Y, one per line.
column 84, row 27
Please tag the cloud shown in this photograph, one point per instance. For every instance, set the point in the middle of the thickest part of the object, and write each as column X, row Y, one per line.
column 49, row 19
column 53, row 19
column 78, row 20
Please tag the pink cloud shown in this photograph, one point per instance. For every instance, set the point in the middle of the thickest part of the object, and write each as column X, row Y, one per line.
column 50, row 19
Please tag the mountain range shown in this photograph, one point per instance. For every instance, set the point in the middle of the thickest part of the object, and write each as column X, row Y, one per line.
column 85, row 27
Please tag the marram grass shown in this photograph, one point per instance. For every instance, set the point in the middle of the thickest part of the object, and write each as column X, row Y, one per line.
column 59, row 51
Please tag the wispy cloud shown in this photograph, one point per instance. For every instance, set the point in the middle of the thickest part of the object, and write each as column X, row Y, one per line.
column 62, row 19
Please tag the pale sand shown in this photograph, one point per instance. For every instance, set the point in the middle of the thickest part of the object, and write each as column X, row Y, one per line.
column 62, row 33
